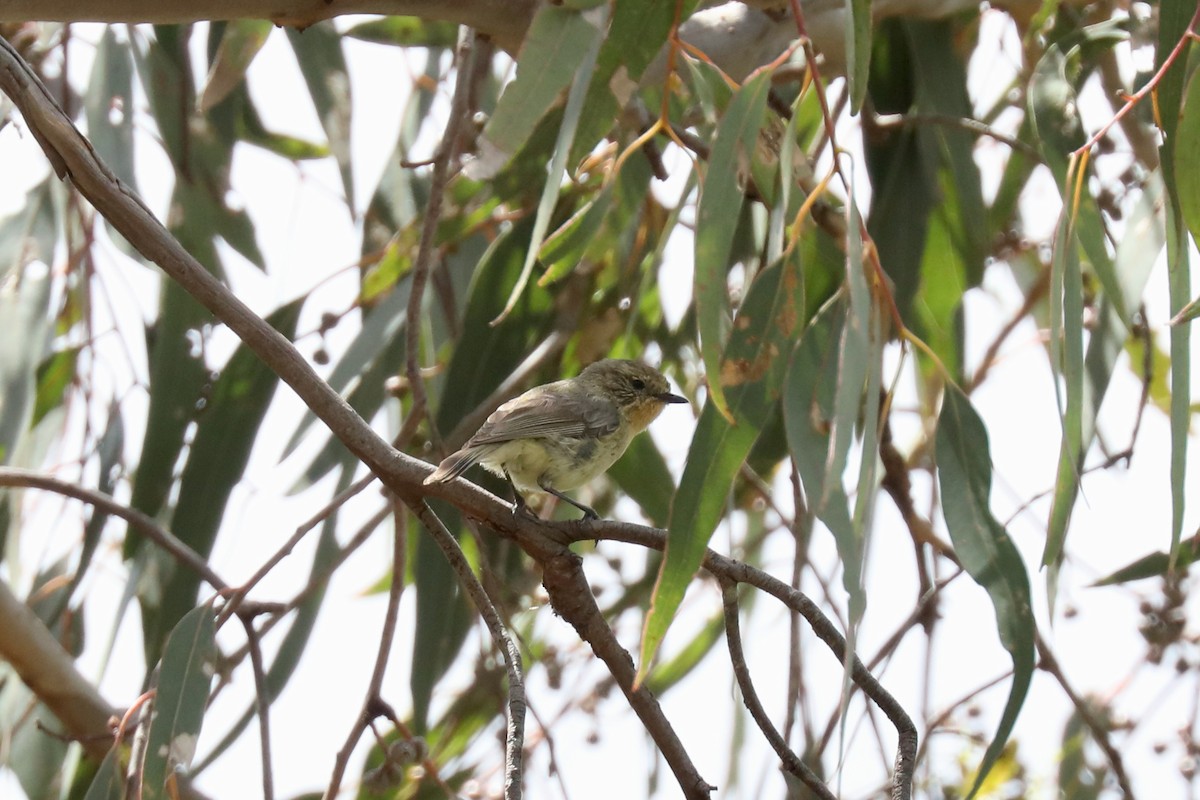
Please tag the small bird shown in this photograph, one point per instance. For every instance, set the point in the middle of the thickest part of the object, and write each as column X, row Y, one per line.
column 559, row 436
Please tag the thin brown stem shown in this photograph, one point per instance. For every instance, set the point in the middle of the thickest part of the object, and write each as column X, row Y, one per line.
column 373, row 703
column 332, row 506
column 262, row 700
column 1048, row 663
column 143, row 524
column 446, row 152
column 733, row 636
column 515, row 735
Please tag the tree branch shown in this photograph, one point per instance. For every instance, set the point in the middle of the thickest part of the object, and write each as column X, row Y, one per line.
column 50, row 673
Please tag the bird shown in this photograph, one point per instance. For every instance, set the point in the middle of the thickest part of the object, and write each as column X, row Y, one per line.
column 558, row 436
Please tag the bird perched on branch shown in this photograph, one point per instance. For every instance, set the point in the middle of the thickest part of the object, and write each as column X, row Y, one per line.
column 559, row 436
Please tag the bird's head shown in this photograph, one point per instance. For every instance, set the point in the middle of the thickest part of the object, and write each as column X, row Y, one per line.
column 639, row 390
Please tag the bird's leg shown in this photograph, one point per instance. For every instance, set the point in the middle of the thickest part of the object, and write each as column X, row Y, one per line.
column 519, row 506
column 588, row 511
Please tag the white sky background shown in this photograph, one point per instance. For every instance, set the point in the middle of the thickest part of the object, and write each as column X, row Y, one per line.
column 305, row 233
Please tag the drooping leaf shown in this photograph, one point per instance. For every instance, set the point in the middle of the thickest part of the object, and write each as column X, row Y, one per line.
column 716, row 222
column 189, row 664
column 985, row 550
column 858, row 51
column 319, row 53
column 225, row 434
column 557, row 43
column 752, row 370
column 1155, row 565
column 562, row 146
column 240, row 43
column 108, row 106
column 406, row 32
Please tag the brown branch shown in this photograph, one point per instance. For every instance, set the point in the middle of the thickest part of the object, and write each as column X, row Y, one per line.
column 1099, row 729
column 373, row 705
column 445, row 154
column 515, row 735
column 49, row 671
column 572, row 598
column 733, row 636
column 505, row 21
column 728, row 569
column 262, row 698
column 143, row 524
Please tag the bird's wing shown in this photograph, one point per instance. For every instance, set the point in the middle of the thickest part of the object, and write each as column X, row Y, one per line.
column 580, row 417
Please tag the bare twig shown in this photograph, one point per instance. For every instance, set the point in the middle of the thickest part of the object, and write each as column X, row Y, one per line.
column 442, row 159
column 373, row 704
column 733, row 636
column 972, row 126
column 515, row 735
column 1099, row 729
column 239, row 594
column 262, row 699
column 728, row 569
column 143, row 524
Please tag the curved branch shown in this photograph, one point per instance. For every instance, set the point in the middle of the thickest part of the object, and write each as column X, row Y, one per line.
column 733, row 637
column 143, row 524
column 730, row 570
column 514, row 740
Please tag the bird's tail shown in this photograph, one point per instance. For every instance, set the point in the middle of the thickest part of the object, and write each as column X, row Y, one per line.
column 453, row 465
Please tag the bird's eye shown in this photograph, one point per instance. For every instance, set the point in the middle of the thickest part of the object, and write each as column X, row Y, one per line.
column 638, row 384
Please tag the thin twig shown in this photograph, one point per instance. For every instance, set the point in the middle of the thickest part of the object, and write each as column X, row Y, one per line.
column 433, row 213
column 239, row 594
column 372, row 703
column 143, row 524
column 1049, row 663
column 972, row 126
column 515, row 735
column 263, row 700
column 728, row 569
column 1037, row 292
column 733, row 636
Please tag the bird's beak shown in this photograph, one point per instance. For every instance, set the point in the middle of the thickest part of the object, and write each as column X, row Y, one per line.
column 667, row 397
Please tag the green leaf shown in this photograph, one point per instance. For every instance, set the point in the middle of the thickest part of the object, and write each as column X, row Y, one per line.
column 109, row 108
column 225, row 435
column 858, row 51
column 406, row 32
column 558, row 42
column 808, row 396
column 1155, row 565
column 177, row 378
column 318, row 50
column 752, row 370
column 240, row 42
column 550, row 189
column 24, row 307
column 109, row 781
column 189, row 663
column 985, row 550
column 635, row 37
column 716, row 222
column 1174, row 21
